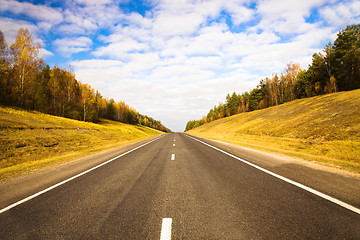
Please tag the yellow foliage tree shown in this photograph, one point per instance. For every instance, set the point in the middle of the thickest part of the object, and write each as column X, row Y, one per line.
column 25, row 59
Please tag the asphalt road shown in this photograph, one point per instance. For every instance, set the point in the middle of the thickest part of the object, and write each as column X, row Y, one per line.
column 205, row 193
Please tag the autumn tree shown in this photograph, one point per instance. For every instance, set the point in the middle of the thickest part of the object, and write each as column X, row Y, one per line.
column 5, row 84
column 123, row 113
column 329, row 58
column 25, row 60
column 57, row 87
column 211, row 115
column 110, row 109
column 88, row 100
column 134, row 118
column 264, row 91
column 273, row 90
column 289, row 80
column 4, row 51
column 242, row 105
column 101, row 104
column 42, row 93
column 70, row 85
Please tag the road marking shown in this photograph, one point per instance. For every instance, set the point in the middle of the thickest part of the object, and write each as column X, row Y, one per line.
column 313, row 191
column 173, row 156
column 72, row 178
column 166, row 229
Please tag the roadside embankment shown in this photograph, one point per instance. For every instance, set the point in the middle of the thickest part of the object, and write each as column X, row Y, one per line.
column 32, row 140
column 324, row 129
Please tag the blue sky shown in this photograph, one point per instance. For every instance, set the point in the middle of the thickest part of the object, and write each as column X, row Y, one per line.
column 175, row 59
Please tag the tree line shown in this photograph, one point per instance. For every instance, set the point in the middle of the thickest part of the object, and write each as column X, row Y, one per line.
column 27, row 82
column 337, row 68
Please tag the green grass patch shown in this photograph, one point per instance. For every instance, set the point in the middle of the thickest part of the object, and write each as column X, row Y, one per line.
column 323, row 128
column 31, row 140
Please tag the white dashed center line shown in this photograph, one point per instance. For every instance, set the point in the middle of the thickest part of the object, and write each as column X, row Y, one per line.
column 166, row 229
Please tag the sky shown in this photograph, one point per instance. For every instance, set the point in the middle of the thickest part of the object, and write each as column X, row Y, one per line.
column 174, row 60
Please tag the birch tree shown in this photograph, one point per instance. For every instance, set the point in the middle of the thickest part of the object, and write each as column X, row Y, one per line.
column 25, row 58
column 4, row 70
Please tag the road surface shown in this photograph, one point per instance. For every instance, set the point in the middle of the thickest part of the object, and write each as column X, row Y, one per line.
column 180, row 188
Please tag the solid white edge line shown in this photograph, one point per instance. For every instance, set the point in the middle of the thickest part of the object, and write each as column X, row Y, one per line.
column 166, row 229
column 173, row 156
column 72, row 178
column 313, row 191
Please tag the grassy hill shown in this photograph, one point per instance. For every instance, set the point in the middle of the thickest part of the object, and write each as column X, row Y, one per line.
column 29, row 140
column 323, row 128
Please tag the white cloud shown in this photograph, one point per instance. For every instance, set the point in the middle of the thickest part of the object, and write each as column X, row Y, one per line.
column 39, row 12
column 45, row 53
column 69, row 46
column 10, row 28
column 199, row 62
column 286, row 17
column 209, row 41
column 141, row 62
column 76, row 23
column 84, row 16
column 120, row 49
column 97, row 64
column 93, row 2
column 174, row 18
column 239, row 13
column 122, row 33
column 169, row 24
column 45, row 26
column 71, row 29
column 137, row 20
column 343, row 13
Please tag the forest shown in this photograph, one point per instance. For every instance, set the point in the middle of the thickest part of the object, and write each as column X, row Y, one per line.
column 27, row 82
column 335, row 69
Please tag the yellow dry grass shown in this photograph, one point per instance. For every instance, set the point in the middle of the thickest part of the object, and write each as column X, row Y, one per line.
column 29, row 140
column 323, row 128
